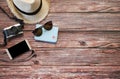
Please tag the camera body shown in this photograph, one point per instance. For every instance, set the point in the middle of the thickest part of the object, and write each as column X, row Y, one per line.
column 12, row 31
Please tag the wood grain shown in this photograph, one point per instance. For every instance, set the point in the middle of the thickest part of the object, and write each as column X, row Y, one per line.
column 76, row 21
column 70, row 57
column 85, row 72
column 81, row 6
column 75, row 39
column 85, row 6
column 88, row 45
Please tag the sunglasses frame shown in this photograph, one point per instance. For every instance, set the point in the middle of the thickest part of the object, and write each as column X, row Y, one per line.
column 47, row 26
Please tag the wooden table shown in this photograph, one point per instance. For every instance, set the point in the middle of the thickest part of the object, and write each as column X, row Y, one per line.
column 88, row 45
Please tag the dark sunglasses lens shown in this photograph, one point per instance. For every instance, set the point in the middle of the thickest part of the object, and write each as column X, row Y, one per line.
column 37, row 32
column 48, row 25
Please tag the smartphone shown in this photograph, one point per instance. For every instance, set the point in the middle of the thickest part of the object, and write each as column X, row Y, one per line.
column 18, row 49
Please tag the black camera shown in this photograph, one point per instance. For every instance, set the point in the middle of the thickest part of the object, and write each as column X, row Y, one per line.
column 12, row 31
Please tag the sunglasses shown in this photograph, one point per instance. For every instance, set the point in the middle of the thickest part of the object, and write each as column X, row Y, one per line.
column 47, row 26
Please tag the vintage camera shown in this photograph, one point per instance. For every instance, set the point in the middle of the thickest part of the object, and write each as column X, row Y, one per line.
column 12, row 31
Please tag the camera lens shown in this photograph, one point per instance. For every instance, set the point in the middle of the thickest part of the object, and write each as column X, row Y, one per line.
column 14, row 30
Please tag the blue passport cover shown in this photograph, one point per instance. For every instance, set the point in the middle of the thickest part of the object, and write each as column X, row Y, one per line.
column 50, row 36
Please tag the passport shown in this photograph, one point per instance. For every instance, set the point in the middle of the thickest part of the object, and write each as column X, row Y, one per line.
column 50, row 36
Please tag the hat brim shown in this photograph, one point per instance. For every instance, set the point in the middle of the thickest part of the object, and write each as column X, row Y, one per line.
column 30, row 19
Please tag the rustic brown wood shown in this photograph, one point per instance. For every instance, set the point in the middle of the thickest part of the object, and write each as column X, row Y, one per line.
column 71, row 57
column 84, row 21
column 77, row 21
column 82, row 6
column 85, row 6
column 60, row 72
column 67, row 39
column 88, row 44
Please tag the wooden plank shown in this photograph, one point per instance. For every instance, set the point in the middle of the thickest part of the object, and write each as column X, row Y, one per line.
column 75, row 39
column 85, row 21
column 75, row 21
column 70, row 57
column 79, row 57
column 88, row 45
column 81, row 5
column 61, row 72
column 85, row 6
column 100, row 41
column 92, row 39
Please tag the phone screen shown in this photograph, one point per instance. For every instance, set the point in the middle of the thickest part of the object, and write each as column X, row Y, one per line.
column 18, row 49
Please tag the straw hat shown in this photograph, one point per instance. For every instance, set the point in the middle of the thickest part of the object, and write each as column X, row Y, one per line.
column 31, row 11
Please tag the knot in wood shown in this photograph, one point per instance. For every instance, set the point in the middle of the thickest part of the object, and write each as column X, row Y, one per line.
column 83, row 43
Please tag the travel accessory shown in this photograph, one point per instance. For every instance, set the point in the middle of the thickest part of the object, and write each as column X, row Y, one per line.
column 31, row 11
column 16, row 29
column 46, row 32
column 47, row 26
column 13, row 30
column 19, row 49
